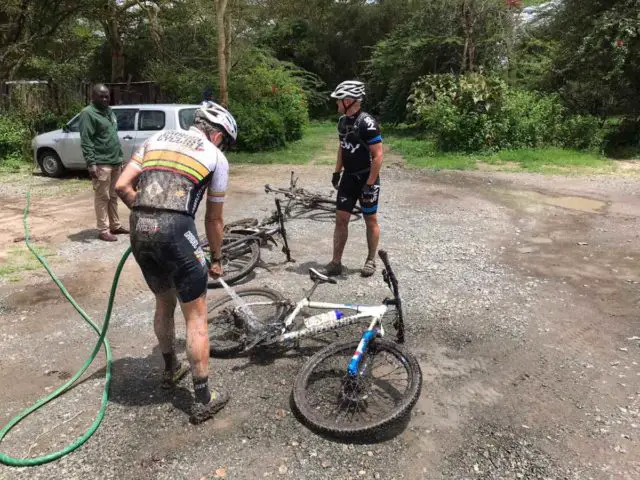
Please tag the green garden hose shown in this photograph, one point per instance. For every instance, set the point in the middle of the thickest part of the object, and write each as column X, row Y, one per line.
column 27, row 462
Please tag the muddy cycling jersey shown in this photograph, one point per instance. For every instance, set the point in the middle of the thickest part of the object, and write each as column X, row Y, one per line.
column 177, row 167
column 356, row 134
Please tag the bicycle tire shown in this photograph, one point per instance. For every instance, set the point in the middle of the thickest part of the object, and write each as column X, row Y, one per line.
column 322, row 202
column 237, row 263
column 311, row 415
column 242, row 223
column 331, row 206
column 280, row 190
column 234, row 346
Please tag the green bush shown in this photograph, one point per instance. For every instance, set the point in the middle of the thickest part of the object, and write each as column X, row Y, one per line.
column 185, row 85
column 18, row 127
column 622, row 139
column 271, row 107
column 583, row 132
column 459, row 111
column 12, row 133
column 473, row 112
column 259, row 128
column 266, row 97
column 14, row 137
column 49, row 120
column 530, row 120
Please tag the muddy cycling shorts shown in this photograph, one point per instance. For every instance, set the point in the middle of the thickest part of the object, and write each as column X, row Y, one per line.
column 350, row 192
column 166, row 246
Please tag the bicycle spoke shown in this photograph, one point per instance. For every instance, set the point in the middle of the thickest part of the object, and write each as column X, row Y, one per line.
column 360, row 401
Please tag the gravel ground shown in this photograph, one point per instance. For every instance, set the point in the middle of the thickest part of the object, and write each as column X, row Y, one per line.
column 510, row 336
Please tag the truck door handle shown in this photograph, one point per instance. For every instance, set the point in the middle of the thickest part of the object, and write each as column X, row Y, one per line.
column 127, row 137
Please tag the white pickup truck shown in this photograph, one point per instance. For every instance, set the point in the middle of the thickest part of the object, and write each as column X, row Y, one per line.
column 59, row 150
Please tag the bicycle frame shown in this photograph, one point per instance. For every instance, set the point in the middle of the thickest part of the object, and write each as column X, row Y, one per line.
column 260, row 232
column 375, row 312
column 308, row 200
column 362, row 312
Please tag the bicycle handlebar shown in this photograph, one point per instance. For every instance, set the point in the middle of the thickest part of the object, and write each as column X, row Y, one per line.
column 390, row 277
column 384, row 256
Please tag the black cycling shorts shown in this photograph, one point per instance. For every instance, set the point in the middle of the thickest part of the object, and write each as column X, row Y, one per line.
column 166, row 246
column 350, row 192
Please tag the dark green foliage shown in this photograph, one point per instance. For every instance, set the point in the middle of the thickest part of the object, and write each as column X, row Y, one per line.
column 12, row 137
column 473, row 112
column 596, row 65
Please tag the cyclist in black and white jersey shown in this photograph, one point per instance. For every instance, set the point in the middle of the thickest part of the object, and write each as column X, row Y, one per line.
column 163, row 185
column 357, row 173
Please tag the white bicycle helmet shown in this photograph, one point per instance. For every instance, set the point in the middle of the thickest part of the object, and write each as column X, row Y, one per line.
column 219, row 117
column 349, row 89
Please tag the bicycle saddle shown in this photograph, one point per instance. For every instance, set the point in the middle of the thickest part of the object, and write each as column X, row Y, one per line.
column 316, row 275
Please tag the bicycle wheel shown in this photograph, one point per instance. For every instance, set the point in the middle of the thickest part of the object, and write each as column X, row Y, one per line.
column 238, row 260
column 385, row 391
column 278, row 190
column 321, row 202
column 242, row 223
column 226, row 328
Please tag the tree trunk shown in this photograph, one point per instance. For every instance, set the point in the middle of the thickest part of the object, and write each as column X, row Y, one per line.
column 465, row 29
column 112, row 31
column 221, row 7
column 469, row 13
column 472, row 50
column 227, row 39
column 463, row 65
column 117, row 61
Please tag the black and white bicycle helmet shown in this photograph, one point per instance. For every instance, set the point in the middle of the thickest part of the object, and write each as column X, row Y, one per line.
column 349, row 89
column 220, row 117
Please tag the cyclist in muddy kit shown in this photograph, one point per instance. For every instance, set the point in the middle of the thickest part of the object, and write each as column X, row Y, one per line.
column 163, row 185
column 356, row 176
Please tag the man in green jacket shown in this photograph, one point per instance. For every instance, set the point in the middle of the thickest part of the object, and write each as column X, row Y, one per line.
column 102, row 152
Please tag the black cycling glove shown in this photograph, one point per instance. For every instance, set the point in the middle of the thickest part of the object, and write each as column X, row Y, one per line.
column 370, row 193
column 335, row 180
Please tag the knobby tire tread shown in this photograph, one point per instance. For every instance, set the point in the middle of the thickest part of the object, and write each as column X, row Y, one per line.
column 305, row 411
column 252, row 244
column 270, row 295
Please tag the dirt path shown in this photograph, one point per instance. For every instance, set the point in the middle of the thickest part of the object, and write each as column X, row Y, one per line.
column 523, row 306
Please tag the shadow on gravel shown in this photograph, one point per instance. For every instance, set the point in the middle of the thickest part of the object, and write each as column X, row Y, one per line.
column 303, row 269
column 268, row 355
column 136, row 382
column 85, row 236
column 381, row 436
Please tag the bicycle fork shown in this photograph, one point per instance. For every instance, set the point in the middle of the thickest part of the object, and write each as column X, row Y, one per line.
column 353, row 369
column 283, row 232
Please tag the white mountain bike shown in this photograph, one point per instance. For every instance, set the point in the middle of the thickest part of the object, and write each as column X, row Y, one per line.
column 346, row 389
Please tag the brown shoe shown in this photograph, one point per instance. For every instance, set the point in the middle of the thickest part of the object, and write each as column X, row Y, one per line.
column 119, row 230
column 333, row 269
column 107, row 237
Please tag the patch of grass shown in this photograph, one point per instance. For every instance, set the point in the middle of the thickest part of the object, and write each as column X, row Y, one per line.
column 15, row 164
column 300, row 152
column 549, row 160
column 423, row 153
column 19, row 259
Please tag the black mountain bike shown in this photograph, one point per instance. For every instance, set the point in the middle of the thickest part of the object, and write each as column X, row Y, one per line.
column 241, row 245
column 300, row 198
column 346, row 389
